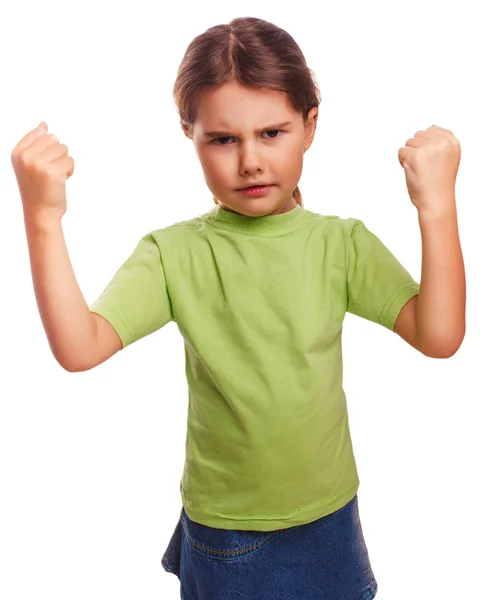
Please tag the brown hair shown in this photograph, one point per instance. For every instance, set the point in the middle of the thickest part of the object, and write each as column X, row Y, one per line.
column 252, row 52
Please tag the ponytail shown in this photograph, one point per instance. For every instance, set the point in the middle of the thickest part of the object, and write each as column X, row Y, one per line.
column 298, row 197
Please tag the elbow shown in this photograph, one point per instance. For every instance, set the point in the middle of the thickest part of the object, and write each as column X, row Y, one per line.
column 71, row 366
column 71, row 369
column 63, row 361
column 81, row 364
column 443, row 349
column 76, row 368
column 440, row 353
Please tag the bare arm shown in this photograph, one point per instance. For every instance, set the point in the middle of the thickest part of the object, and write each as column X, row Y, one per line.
column 79, row 339
column 434, row 322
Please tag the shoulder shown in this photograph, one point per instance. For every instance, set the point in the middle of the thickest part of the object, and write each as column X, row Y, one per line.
column 335, row 224
column 179, row 232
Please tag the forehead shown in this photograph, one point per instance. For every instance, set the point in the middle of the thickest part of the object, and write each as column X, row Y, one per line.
column 233, row 105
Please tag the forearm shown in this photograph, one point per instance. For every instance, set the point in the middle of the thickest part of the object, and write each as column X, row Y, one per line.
column 440, row 311
column 66, row 318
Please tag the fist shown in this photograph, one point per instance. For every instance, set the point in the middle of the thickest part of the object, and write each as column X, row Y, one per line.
column 431, row 160
column 42, row 166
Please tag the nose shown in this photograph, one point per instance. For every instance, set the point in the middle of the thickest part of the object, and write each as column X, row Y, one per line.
column 250, row 161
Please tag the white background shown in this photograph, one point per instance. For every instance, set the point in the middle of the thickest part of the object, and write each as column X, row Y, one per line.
column 90, row 463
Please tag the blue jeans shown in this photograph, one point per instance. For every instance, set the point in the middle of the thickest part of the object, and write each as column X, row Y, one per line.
column 323, row 560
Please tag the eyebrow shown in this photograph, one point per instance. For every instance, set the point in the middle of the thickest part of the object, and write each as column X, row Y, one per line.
column 221, row 133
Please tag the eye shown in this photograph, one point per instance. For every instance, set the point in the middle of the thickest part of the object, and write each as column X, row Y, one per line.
column 220, row 141
column 276, row 131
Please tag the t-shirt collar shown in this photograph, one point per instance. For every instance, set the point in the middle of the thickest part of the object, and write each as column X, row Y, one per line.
column 265, row 224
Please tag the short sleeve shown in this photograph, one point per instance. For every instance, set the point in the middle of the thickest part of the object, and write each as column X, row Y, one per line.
column 136, row 301
column 378, row 285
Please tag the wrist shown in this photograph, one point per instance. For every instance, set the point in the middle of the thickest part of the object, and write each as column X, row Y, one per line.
column 42, row 222
column 437, row 214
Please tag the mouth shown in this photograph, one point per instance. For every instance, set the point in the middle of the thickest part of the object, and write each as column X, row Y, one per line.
column 259, row 184
column 261, row 189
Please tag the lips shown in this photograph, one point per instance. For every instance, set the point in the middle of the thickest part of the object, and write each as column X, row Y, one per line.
column 255, row 185
column 254, row 192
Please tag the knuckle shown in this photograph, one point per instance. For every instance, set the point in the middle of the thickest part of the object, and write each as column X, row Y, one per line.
column 50, row 171
column 447, row 144
column 37, row 162
column 24, row 159
column 418, row 158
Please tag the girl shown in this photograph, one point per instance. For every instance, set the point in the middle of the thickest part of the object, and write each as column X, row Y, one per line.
column 258, row 287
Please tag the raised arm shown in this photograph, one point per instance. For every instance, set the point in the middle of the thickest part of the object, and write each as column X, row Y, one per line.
column 435, row 322
column 79, row 339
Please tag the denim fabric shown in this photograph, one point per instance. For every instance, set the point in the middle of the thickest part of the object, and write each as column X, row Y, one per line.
column 326, row 559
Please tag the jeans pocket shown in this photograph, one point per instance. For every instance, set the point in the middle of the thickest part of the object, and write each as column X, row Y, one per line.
column 226, row 544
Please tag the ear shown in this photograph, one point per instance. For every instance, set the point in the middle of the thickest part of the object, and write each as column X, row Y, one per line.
column 310, row 126
column 186, row 129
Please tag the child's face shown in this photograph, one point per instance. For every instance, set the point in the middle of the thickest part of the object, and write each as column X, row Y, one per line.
column 244, row 154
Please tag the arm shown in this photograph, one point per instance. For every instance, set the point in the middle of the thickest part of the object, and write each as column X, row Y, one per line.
column 434, row 322
column 79, row 339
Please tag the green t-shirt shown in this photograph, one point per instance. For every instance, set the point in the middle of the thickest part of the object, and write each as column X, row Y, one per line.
column 260, row 303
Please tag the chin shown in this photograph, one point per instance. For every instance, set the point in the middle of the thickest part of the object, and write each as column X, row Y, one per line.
column 253, row 207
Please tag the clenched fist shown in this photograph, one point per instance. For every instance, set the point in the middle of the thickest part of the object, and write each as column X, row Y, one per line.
column 431, row 160
column 42, row 167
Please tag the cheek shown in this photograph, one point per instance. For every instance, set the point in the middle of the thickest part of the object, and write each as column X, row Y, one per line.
column 290, row 161
column 217, row 167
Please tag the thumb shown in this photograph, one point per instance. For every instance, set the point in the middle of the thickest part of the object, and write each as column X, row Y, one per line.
column 43, row 125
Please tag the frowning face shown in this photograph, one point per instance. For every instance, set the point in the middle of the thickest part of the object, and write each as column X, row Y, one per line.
column 244, row 137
